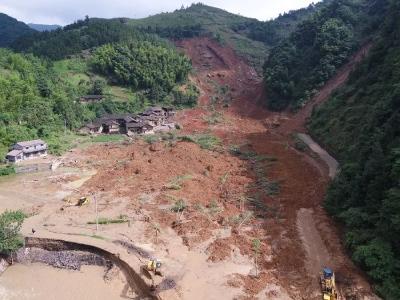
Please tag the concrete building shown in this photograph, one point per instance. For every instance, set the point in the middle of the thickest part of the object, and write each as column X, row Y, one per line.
column 27, row 150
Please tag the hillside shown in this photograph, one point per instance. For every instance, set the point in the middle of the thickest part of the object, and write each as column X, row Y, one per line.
column 72, row 39
column 11, row 29
column 249, row 37
column 273, row 31
column 360, row 124
column 198, row 20
column 43, row 27
column 299, row 65
column 38, row 97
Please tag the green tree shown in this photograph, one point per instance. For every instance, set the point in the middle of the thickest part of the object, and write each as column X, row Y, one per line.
column 10, row 225
column 360, row 124
column 314, row 51
column 98, row 87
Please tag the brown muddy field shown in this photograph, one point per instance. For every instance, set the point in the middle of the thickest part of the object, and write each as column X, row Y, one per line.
column 200, row 210
column 41, row 282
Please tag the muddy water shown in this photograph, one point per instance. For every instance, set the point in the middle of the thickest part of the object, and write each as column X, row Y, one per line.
column 42, row 282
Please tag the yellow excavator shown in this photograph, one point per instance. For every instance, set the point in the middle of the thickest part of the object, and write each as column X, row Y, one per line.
column 154, row 265
column 328, row 285
column 77, row 202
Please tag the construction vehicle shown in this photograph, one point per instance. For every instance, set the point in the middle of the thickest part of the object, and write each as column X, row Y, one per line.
column 328, row 285
column 82, row 201
column 154, row 265
column 76, row 202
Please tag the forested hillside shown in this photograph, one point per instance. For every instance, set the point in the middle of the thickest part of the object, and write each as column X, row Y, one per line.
column 274, row 31
column 361, row 125
column 249, row 37
column 33, row 103
column 74, row 38
column 164, row 67
column 11, row 29
column 303, row 62
column 39, row 91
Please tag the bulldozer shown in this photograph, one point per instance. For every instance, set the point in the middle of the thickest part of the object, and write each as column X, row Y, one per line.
column 328, row 285
column 154, row 265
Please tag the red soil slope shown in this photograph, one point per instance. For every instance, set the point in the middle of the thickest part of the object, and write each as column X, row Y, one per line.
column 303, row 179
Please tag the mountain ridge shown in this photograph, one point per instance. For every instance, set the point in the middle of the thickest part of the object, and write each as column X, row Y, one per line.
column 44, row 27
column 11, row 29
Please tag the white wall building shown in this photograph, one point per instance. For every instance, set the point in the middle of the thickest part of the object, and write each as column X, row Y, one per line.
column 27, row 150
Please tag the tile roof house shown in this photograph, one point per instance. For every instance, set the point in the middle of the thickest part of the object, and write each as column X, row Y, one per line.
column 27, row 150
column 138, row 127
column 111, row 127
column 144, row 122
column 92, row 128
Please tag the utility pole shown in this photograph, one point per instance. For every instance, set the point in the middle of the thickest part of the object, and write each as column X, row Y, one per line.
column 97, row 214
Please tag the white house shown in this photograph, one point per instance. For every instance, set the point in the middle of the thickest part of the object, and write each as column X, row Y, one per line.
column 27, row 150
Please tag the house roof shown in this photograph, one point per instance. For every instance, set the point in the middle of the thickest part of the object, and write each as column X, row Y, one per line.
column 14, row 153
column 30, row 143
column 111, row 122
column 138, row 125
column 134, row 125
column 150, row 114
column 153, row 111
column 124, row 117
column 151, row 118
column 128, row 119
column 93, row 126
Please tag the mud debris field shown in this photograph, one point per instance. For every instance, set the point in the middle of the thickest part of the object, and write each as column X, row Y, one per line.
column 227, row 190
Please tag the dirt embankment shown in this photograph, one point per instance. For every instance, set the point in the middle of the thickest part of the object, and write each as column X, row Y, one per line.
column 68, row 255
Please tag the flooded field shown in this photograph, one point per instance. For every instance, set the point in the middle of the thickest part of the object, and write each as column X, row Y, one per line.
column 42, row 282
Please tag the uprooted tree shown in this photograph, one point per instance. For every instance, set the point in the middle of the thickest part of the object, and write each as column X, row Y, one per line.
column 10, row 226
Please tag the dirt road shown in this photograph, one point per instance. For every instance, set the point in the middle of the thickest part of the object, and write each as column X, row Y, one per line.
column 332, row 163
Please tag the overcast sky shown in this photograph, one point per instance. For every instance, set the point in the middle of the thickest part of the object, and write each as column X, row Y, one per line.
column 66, row 11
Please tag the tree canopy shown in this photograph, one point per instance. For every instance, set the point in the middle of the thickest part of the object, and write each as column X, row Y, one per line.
column 10, row 225
column 142, row 65
column 310, row 56
column 360, row 124
column 82, row 35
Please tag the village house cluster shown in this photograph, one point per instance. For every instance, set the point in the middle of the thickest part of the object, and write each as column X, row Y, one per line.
column 27, row 150
column 151, row 120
